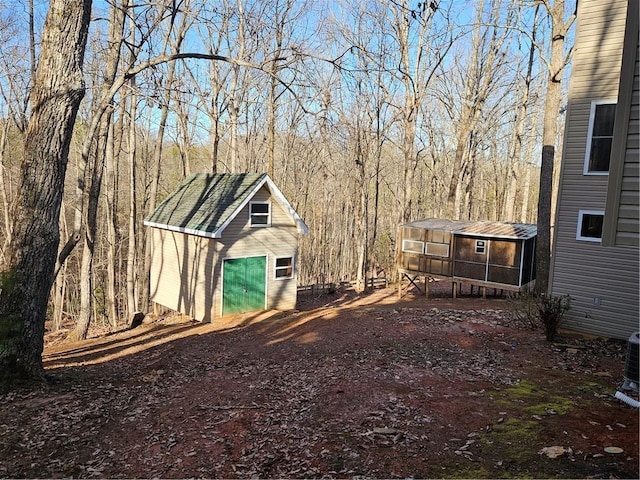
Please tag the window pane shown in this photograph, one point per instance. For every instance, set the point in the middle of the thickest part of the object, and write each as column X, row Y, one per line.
column 600, row 154
column 603, row 121
column 283, row 262
column 438, row 249
column 259, row 208
column 259, row 220
column 591, row 225
column 411, row 246
column 284, row 267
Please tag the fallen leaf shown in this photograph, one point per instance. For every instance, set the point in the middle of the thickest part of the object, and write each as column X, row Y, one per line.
column 613, row 450
column 555, row 451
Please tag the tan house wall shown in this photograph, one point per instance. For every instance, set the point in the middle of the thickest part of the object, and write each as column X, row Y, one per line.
column 186, row 273
column 622, row 219
column 602, row 281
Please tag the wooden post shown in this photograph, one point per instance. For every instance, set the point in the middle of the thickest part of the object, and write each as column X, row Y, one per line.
column 484, row 293
column 455, row 290
column 399, row 285
column 426, row 287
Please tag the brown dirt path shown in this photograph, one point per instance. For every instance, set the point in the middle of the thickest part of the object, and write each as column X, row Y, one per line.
column 347, row 386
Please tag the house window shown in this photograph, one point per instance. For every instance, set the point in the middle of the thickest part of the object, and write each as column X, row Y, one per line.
column 260, row 214
column 480, row 247
column 590, row 225
column 437, row 249
column 413, row 246
column 284, row 267
column 599, row 138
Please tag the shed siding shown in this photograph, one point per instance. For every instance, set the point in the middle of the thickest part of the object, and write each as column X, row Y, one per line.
column 180, row 277
column 239, row 239
column 602, row 281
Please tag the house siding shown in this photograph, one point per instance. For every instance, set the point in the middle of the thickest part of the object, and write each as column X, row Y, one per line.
column 601, row 280
column 627, row 218
column 240, row 239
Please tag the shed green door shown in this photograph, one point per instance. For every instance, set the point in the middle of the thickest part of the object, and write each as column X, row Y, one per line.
column 243, row 287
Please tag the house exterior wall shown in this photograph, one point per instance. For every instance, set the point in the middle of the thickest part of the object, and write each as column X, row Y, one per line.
column 602, row 281
column 621, row 225
column 186, row 272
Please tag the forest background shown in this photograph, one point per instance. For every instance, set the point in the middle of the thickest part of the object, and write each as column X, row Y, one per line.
column 367, row 114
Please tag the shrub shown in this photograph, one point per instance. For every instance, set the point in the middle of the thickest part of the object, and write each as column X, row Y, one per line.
column 531, row 310
column 551, row 311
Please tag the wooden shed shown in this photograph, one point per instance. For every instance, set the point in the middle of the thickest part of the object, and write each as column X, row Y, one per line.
column 224, row 244
column 486, row 254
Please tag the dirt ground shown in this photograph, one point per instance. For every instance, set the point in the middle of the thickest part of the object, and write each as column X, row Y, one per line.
column 347, row 386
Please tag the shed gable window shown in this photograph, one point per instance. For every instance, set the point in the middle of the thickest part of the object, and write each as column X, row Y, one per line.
column 590, row 225
column 481, row 247
column 413, row 246
column 284, row 267
column 599, row 138
column 260, row 214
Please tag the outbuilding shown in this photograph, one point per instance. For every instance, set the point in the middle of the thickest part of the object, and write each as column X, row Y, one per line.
column 500, row 255
column 224, row 244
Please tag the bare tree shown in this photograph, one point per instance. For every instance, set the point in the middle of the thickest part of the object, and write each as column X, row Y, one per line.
column 556, row 66
column 28, row 276
column 487, row 58
column 96, row 171
column 517, row 140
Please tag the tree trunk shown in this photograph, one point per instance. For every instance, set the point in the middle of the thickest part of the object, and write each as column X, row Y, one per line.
column 6, row 213
column 111, row 196
column 518, row 132
column 96, row 172
column 132, row 300
column 549, row 136
column 26, row 281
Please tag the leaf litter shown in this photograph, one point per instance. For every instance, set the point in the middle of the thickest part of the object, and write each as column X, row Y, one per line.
column 379, row 388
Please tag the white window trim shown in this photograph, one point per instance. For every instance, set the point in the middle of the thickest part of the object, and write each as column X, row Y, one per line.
column 587, row 153
column 404, row 249
column 251, row 215
column 484, row 247
column 293, row 268
column 581, row 214
column 426, row 249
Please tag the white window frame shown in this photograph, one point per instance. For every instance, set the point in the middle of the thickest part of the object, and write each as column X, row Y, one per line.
column 581, row 214
column 276, row 268
column 252, row 215
column 587, row 154
column 481, row 249
column 439, row 244
column 407, row 250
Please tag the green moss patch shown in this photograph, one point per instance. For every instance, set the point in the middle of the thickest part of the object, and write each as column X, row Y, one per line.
column 532, row 399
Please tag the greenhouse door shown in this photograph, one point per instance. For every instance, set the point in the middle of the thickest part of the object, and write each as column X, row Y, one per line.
column 243, row 286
